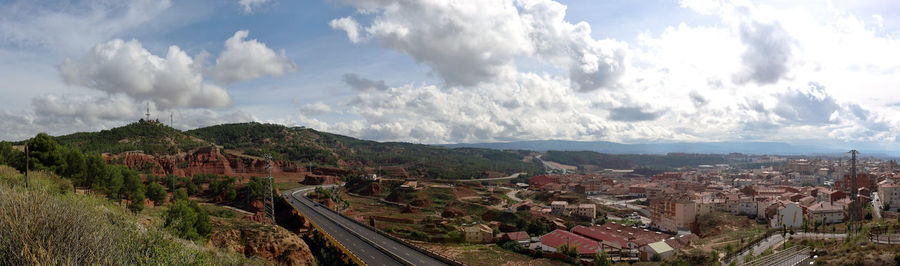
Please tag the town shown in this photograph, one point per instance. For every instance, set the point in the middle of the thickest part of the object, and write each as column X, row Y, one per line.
column 732, row 214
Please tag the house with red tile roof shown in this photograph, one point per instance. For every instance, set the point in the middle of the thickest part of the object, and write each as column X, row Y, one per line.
column 521, row 237
column 552, row 241
column 625, row 241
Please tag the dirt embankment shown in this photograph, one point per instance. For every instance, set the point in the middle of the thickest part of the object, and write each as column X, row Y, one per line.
column 272, row 243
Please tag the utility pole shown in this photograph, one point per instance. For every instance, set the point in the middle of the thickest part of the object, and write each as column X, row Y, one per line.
column 268, row 200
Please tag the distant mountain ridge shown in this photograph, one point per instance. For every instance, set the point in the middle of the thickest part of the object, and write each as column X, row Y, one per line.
column 753, row 148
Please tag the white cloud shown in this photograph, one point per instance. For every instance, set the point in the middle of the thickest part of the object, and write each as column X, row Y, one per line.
column 72, row 26
column 591, row 64
column 249, row 6
column 198, row 117
column 249, row 59
column 120, row 67
column 23, row 125
column 529, row 106
column 122, row 76
column 349, row 25
column 315, row 109
column 745, row 76
column 87, row 108
column 473, row 42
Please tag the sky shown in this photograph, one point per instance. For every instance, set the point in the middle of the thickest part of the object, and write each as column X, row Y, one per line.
column 453, row 71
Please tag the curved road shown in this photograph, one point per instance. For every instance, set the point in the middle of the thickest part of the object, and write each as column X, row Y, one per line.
column 370, row 246
column 516, row 175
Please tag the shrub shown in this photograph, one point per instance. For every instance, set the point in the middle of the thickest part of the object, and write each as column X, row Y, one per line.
column 156, row 193
column 137, row 201
column 187, row 220
column 41, row 227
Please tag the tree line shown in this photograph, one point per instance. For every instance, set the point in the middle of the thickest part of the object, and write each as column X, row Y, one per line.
column 89, row 170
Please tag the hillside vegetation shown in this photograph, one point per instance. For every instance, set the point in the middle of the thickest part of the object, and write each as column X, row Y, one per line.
column 48, row 224
column 149, row 137
column 308, row 145
column 631, row 161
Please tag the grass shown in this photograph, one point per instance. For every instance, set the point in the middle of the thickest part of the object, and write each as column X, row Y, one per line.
column 43, row 225
column 729, row 231
column 440, row 197
column 282, row 186
column 838, row 252
column 626, row 222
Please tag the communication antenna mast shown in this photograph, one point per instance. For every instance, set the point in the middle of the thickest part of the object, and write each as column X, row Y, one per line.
column 148, row 112
column 268, row 201
column 171, row 119
column 854, row 191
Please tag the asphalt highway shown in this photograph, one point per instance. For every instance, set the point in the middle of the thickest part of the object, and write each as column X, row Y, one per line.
column 369, row 246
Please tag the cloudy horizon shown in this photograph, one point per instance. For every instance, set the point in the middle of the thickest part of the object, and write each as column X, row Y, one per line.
column 440, row 71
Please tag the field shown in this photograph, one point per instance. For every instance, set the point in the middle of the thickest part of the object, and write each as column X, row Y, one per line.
column 486, row 254
column 728, row 233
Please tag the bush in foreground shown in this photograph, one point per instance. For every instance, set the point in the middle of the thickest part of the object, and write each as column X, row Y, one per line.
column 38, row 226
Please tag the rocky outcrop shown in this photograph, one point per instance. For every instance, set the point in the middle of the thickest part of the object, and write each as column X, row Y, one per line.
column 142, row 162
column 321, row 180
column 366, row 188
column 270, row 242
column 330, row 171
column 207, row 160
column 211, row 160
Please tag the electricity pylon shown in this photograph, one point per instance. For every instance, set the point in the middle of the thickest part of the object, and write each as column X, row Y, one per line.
column 855, row 212
column 268, row 201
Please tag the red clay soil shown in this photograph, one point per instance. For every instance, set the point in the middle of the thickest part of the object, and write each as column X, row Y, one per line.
column 463, row 192
column 211, row 160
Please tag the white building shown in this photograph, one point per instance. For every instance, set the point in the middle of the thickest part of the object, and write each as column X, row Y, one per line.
column 788, row 216
column 889, row 194
column 558, row 207
column 587, row 210
column 825, row 213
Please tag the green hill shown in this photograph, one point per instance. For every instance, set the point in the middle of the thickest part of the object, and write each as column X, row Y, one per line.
column 307, row 145
column 150, row 137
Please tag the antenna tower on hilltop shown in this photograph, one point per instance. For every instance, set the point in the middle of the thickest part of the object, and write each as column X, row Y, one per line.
column 268, row 200
column 148, row 112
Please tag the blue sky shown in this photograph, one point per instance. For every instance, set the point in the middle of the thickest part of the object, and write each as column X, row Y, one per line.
column 460, row 71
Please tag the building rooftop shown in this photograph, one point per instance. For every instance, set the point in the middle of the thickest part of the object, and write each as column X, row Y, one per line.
column 558, row 237
column 517, row 236
column 660, row 247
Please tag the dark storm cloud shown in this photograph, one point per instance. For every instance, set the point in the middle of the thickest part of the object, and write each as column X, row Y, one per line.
column 632, row 114
column 358, row 83
column 767, row 55
column 810, row 107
